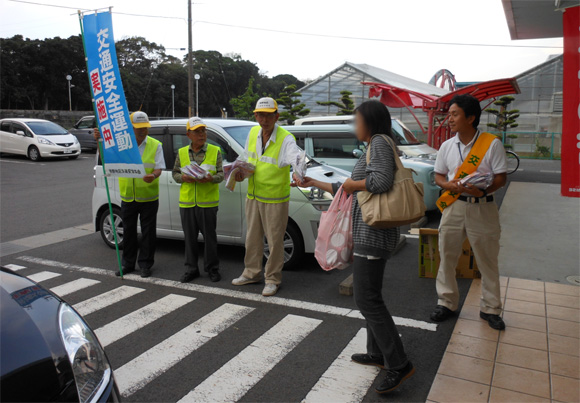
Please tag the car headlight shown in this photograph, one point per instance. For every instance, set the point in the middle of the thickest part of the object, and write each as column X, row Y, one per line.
column 76, row 140
column 432, row 178
column 90, row 366
column 43, row 140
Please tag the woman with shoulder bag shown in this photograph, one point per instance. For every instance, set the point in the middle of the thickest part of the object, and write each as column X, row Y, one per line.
column 372, row 247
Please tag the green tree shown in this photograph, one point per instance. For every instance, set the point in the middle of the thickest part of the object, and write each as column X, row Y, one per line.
column 244, row 104
column 293, row 108
column 345, row 106
column 505, row 119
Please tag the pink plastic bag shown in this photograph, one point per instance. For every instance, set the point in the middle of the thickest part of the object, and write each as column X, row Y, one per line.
column 334, row 243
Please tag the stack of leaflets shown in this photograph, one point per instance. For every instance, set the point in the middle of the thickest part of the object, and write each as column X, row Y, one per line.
column 239, row 165
column 480, row 180
column 300, row 168
column 194, row 170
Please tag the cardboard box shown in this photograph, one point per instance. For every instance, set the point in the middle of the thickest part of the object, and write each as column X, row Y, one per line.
column 429, row 258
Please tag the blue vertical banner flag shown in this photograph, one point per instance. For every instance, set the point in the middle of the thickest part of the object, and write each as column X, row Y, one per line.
column 120, row 150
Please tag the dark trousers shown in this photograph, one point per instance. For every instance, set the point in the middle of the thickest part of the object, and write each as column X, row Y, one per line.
column 146, row 213
column 382, row 335
column 195, row 220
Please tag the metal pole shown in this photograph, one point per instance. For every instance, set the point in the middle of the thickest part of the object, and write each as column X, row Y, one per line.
column 173, row 100
column 197, row 97
column 68, row 78
column 189, row 60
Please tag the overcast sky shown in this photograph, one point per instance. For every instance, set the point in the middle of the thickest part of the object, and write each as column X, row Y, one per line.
column 306, row 56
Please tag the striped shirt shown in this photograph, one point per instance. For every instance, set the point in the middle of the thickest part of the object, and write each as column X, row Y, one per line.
column 379, row 175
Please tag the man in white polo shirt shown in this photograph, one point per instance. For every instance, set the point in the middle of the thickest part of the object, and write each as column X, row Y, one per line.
column 469, row 211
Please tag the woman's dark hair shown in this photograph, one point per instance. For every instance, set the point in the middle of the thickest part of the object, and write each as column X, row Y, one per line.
column 376, row 117
column 470, row 106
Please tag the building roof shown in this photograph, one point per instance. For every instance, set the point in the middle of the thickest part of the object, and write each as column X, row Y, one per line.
column 379, row 75
column 535, row 19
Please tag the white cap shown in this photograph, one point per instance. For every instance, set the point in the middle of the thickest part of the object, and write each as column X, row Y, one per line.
column 140, row 119
column 195, row 122
column 266, row 104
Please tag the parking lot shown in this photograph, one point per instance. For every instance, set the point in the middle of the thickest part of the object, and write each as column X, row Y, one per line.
column 303, row 336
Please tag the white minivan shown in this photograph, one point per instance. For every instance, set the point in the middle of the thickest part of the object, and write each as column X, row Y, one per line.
column 37, row 139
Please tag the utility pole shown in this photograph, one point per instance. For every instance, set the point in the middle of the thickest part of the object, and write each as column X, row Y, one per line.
column 189, row 60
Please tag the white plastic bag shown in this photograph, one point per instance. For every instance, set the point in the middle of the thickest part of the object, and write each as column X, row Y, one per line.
column 334, row 244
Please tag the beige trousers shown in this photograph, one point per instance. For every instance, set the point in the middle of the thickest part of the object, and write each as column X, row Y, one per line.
column 269, row 219
column 480, row 223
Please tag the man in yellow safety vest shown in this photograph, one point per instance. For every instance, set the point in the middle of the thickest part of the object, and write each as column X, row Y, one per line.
column 140, row 200
column 199, row 200
column 272, row 150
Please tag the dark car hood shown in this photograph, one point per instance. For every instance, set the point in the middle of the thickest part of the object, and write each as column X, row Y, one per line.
column 34, row 364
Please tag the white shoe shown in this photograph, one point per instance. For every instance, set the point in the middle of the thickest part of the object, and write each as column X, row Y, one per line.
column 270, row 289
column 243, row 281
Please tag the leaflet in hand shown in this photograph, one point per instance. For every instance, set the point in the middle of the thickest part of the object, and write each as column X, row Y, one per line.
column 238, row 166
column 478, row 179
column 300, row 168
column 194, row 170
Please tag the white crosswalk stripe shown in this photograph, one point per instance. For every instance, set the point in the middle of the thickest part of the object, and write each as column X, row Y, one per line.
column 73, row 286
column 106, row 299
column 136, row 320
column 344, row 381
column 43, row 276
column 14, row 267
column 140, row 371
column 246, row 369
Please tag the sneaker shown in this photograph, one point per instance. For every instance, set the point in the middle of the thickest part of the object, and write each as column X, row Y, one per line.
column 189, row 275
column 494, row 321
column 270, row 289
column 441, row 313
column 126, row 270
column 214, row 276
column 395, row 378
column 365, row 359
column 243, row 281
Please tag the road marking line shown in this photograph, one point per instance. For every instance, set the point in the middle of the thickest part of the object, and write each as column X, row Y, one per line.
column 22, row 162
column 547, row 171
column 345, row 381
column 136, row 320
column 14, row 267
column 76, row 285
column 138, row 372
column 106, row 299
column 289, row 303
column 233, row 380
column 43, row 276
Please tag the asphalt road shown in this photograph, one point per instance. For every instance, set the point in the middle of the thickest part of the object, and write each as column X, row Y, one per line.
column 309, row 325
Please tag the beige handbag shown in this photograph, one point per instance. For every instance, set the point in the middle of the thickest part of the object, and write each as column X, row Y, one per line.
column 402, row 204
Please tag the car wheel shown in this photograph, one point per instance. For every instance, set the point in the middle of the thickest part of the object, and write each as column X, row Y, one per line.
column 107, row 228
column 33, row 153
column 293, row 246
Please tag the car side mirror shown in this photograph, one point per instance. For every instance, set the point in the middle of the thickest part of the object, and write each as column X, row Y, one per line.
column 20, row 133
column 356, row 153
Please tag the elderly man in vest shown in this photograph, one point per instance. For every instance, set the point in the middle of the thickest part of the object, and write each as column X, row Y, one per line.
column 199, row 200
column 140, row 200
column 272, row 150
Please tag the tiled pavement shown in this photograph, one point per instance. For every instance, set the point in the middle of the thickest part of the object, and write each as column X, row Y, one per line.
column 536, row 359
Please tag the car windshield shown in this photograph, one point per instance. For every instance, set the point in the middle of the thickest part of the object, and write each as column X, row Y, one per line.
column 239, row 133
column 403, row 135
column 46, row 128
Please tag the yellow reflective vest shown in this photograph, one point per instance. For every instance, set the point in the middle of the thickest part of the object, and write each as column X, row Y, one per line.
column 136, row 189
column 200, row 194
column 269, row 183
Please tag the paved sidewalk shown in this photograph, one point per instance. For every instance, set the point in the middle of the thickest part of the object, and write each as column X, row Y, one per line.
column 540, row 233
column 536, row 359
